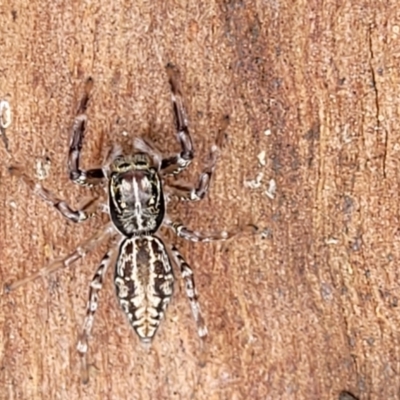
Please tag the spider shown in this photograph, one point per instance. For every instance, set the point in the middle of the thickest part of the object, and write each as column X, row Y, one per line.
column 138, row 194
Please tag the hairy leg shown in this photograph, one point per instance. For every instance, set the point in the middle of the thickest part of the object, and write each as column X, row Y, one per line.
column 191, row 292
column 185, row 191
column 95, row 286
column 101, row 235
column 195, row 236
column 61, row 206
column 77, row 175
column 175, row 164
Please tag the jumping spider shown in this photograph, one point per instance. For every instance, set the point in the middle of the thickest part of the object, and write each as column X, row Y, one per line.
column 137, row 198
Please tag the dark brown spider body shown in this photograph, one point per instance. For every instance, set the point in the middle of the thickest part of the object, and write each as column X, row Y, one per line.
column 136, row 197
column 144, row 283
column 143, row 273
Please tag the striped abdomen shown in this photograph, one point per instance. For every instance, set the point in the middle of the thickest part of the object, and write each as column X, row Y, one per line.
column 144, row 283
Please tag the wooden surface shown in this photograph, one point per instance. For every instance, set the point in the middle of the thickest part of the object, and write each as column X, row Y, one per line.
column 308, row 311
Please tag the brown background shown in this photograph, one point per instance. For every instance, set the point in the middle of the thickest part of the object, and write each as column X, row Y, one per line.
column 302, row 314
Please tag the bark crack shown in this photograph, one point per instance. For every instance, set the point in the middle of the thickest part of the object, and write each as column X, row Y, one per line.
column 379, row 126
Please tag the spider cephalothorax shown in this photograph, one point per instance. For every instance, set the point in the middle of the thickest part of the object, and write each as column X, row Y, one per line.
column 142, row 261
column 136, row 198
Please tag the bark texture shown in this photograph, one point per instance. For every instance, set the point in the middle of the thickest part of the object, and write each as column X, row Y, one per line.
column 306, row 312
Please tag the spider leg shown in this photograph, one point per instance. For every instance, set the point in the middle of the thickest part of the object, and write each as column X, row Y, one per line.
column 95, row 287
column 195, row 236
column 79, row 252
column 191, row 292
column 175, row 164
column 184, row 191
column 81, row 177
column 61, row 206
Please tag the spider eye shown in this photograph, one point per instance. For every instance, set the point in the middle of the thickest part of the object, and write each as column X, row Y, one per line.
column 124, row 165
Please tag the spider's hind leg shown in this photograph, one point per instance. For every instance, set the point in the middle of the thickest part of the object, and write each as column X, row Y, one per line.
column 191, row 292
column 95, row 286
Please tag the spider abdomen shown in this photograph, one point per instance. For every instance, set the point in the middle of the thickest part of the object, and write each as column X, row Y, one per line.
column 144, row 283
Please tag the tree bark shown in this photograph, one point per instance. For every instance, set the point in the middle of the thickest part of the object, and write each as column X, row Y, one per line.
column 305, row 310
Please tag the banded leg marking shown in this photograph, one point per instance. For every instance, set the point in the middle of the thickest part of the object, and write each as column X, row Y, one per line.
column 191, row 292
column 81, row 177
column 61, row 206
column 79, row 253
column 195, row 236
column 185, row 191
column 95, row 286
column 176, row 164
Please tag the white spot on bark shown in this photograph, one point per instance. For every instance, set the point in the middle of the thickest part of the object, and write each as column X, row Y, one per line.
column 5, row 114
column 261, row 158
column 256, row 183
column 271, row 191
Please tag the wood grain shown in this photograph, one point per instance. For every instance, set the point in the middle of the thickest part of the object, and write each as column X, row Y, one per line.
column 307, row 312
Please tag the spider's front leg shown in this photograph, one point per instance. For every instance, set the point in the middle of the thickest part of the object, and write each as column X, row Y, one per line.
column 64, row 209
column 184, row 191
column 191, row 292
column 175, row 164
column 95, row 286
column 77, row 175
